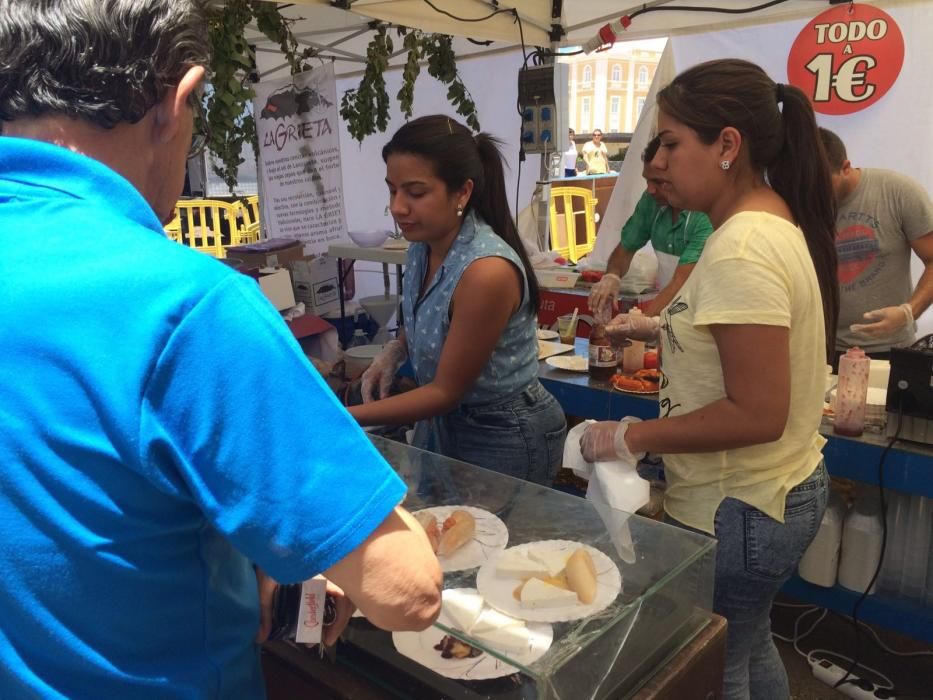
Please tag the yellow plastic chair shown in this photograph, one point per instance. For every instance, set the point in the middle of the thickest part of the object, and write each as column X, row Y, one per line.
column 202, row 224
column 249, row 230
column 569, row 207
column 173, row 229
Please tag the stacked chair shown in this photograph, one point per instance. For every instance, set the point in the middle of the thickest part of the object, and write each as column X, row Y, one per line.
column 211, row 225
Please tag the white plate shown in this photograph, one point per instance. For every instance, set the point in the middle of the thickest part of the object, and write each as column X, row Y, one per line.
column 490, row 538
column 569, row 363
column 544, row 334
column 497, row 590
column 546, row 349
column 419, row 646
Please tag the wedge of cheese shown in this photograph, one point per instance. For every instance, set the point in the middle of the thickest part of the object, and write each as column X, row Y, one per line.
column 491, row 619
column 554, row 561
column 515, row 638
column 517, row 564
column 538, row 594
column 463, row 608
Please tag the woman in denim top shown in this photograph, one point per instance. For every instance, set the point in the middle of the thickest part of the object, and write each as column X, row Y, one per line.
column 469, row 305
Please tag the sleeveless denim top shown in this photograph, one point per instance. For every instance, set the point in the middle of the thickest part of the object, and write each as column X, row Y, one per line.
column 514, row 361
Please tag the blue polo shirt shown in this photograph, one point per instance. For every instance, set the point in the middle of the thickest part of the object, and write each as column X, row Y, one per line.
column 161, row 430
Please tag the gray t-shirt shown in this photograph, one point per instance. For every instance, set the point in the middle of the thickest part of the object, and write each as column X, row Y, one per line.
column 873, row 228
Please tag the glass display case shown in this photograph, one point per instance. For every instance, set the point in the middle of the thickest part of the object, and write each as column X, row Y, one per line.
column 666, row 591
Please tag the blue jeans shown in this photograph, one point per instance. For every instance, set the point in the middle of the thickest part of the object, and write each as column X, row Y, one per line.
column 522, row 435
column 754, row 558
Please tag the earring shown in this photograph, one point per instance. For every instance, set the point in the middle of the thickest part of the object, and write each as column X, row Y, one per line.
column 459, row 210
column 725, row 165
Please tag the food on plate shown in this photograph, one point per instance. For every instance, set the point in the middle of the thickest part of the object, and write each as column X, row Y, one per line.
column 457, row 530
column 514, row 638
column 581, row 576
column 540, row 594
column 429, row 523
column 644, row 380
column 469, row 614
column 463, row 607
column 554, row 560
column 651, row 359
column 560, row 581
column 491, row 619
column 453, row 648
column 518, row 564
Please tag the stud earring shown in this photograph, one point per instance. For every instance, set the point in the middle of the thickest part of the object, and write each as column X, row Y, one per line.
column 459, row 210
column 725, row 165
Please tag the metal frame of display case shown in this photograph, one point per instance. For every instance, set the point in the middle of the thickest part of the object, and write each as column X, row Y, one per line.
column 908, row 468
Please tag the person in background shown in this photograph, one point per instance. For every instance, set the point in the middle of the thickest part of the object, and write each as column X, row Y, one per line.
column 570, row 157
column 882, row 216
column 743, row 346
column 147, row 466
column 469, row 306
column 677, row 237
column 595, row 155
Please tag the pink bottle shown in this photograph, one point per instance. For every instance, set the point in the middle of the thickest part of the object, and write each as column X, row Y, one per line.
column 852, row 393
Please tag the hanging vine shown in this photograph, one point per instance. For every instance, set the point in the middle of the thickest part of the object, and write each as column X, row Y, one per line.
column 365, row 108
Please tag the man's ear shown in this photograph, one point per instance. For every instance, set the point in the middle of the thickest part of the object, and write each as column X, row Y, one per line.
column 730, row 141
column 170, row 111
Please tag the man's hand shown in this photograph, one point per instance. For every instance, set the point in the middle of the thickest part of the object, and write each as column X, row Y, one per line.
column 885, row 322
column 633, row 327
column 345, row 608
column 604, row 297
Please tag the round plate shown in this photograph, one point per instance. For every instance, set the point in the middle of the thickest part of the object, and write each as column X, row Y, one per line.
column 497, row 590
column 490, row 538
column 419, row 646
column 544, row 334
column 629, row 391
column 569, row 363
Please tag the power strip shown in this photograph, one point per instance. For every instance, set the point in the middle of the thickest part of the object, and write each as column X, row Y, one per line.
column 855, row 687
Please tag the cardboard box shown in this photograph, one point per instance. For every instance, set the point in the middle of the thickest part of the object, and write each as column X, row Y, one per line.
column 272, row 252
column 315, row 283
column 276, row 284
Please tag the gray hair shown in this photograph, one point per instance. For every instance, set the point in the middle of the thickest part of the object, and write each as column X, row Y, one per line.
column 102, row 61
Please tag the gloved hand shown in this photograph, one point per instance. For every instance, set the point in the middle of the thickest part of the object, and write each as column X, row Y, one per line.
column 604, row 296
column 605, row 441
column 634, row 327
column 382, row 370
column 885, row 322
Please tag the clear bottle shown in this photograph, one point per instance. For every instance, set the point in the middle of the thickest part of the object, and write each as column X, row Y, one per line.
column 852, row 393
column 603, row 357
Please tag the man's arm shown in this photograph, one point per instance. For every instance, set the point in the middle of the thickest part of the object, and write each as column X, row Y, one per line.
column 665, row 296
column 922, row 296
column 393, row 577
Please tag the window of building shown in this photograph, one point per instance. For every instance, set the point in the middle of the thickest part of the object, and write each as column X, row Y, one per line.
column 587, row 74
column 586, row 114
column 616, row 74
column 615, row 109
column 643, row 76
column 639, row 106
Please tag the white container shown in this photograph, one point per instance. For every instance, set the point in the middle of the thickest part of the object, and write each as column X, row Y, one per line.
column 861, row 545
column 369, row 239
column 820, row 562
column 556, row 278
column 359, row 358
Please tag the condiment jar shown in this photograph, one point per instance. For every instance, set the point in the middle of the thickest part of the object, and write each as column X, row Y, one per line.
column 603, row 357
column 852, row 393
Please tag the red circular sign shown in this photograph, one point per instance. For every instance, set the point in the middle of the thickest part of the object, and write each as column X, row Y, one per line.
column 846, row 58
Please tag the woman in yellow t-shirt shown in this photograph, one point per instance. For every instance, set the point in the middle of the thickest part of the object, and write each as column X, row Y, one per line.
column 743, row 345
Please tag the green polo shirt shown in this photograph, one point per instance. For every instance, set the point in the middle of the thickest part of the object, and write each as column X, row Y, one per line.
column 651, row 221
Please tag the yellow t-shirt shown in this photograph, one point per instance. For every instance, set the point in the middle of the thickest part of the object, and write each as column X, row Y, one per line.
column 755, row 269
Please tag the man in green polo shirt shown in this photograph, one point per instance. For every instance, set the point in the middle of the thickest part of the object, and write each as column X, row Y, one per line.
column 677, row 237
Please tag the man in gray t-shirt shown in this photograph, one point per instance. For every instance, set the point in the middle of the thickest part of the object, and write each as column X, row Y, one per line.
column 882, row 216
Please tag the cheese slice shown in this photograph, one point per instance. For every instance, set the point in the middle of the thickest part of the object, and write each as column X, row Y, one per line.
column 517, row 564
column 554, row 561
column 512, row 639
column 493, row 619
column 463, row 608
column 538, row 594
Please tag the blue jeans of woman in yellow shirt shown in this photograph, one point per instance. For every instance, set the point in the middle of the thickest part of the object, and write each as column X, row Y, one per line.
column 754, row 557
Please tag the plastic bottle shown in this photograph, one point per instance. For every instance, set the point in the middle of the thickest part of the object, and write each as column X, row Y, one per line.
column 633, row 355
column 359, row 338
column 820, row 562
column 861, row 545
column 852, row 393
column 603, row 357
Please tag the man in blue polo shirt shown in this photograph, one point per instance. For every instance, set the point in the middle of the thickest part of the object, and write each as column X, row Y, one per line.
column 161, row 429
column 678, row 237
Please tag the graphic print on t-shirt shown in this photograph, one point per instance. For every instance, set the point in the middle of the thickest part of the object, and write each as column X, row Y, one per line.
column 858, row 251
column 675, row 307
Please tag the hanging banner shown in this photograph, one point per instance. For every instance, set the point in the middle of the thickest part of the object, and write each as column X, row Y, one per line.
column 847, row 58
column 299, row 159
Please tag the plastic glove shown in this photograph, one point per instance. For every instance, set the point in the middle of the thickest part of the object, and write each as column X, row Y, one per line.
column 382, row 370
column 604, row 296
column 605, row 441
column 885, row 322
column 634, row 327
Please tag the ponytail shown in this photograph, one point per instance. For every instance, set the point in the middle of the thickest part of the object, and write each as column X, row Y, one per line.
column 492, row 205
column 801, row 175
